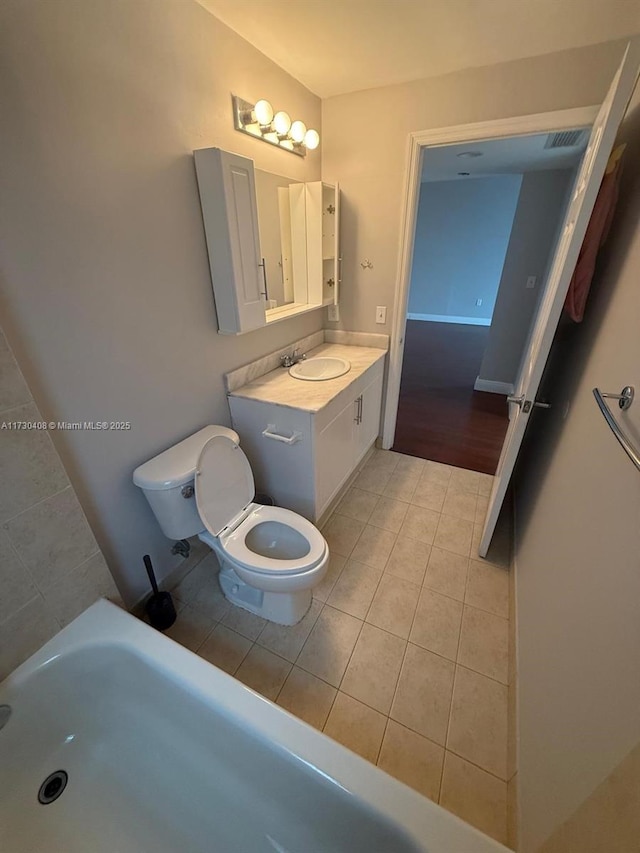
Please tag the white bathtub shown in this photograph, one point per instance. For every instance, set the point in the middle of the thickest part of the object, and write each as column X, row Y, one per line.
column 167, row 754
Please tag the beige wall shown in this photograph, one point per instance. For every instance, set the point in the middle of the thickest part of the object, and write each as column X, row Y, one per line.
column 578, row 562
column 365, row 137
column 609, row 820
column 51, row 567
column 105, row 289
column 539, row 215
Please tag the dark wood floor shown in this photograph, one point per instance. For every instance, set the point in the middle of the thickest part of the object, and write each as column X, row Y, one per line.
column 440, row 416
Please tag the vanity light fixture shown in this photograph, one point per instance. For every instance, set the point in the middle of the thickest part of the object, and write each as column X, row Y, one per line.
column 259, row 121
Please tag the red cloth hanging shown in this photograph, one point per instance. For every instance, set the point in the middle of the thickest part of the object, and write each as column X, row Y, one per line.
column 596, row 234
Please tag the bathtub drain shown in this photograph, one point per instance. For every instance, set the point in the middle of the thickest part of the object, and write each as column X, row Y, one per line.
column 52, row 787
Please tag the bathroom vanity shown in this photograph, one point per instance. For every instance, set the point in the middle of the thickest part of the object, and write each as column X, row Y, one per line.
column 305, row 439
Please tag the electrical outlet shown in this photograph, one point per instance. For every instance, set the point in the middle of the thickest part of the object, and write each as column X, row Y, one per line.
column 478, row 302
column 333, row 314
column 381, row 314
column 531, row 281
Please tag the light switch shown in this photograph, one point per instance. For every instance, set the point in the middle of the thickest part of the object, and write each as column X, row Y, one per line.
column 478, row 302
column 531, row 281
column 381, row 314
column 333, row 314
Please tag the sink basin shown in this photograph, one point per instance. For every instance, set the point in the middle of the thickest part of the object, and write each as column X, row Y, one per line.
column 322, row 367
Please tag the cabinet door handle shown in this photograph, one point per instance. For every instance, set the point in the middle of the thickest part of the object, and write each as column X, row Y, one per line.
column 361, row 406
column 265, row 292
column 285, row 439
column 358, row 417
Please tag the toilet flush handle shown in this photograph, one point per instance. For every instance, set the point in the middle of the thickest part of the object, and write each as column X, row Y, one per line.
column 187, row 491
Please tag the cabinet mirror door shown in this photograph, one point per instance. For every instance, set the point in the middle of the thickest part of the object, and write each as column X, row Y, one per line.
column 283, row 243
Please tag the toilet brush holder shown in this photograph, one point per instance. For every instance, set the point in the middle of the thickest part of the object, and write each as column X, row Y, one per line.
column 159, row 606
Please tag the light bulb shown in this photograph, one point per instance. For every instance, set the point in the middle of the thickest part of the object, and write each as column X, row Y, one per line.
column 263, row 112
column 312, row 139
column 281, row 123
column 298, row 130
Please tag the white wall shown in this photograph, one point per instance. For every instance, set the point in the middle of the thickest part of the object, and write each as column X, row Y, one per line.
column 461, row 238
column 541, row 207
column 578, row 563
column 106, row 296
column 365, row 140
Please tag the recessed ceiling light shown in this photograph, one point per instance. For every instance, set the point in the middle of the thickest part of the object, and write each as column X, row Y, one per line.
column 469, row 155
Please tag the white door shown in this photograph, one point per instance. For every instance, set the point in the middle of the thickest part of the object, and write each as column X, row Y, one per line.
column 585, row 191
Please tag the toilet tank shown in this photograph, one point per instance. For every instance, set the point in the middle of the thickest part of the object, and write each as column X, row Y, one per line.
column 167, row 481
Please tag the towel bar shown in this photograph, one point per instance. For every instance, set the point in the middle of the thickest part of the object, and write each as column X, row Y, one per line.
column 625, row 398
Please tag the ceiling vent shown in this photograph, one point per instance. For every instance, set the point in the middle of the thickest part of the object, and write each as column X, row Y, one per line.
column 565, row 139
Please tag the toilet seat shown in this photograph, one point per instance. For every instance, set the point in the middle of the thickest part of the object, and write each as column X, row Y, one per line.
column 224, row 493
column 224, row 484
column 236, row 546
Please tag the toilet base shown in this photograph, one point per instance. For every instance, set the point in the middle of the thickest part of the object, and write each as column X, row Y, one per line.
column 284, row 608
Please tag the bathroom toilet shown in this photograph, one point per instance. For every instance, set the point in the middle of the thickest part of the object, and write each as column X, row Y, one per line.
column 270, row 558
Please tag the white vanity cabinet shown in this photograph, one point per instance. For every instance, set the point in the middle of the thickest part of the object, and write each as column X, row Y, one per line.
column 302, row 458
column 228, row 199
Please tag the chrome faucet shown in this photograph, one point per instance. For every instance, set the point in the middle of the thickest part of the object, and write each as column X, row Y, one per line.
column 292, row 358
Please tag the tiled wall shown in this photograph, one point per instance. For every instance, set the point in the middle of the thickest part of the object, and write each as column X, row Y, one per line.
column 51, row 568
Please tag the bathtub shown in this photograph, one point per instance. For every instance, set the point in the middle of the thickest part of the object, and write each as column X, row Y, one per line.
column 163, row 753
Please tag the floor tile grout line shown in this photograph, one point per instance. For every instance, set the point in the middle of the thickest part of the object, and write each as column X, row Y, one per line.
column 384, row 734
column 466, row 581
column 483, row 674
column 477, row 766
column 215, row 625
column 441, row 779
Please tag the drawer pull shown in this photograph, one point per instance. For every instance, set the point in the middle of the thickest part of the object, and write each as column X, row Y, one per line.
column 292, row 439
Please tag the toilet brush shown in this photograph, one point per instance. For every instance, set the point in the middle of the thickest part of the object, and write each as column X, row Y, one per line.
column 159, row 606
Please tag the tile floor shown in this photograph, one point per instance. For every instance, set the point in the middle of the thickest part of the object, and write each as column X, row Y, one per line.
column 403, row 654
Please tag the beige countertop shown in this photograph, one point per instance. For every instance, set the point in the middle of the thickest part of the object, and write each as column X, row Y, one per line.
column 280, row 388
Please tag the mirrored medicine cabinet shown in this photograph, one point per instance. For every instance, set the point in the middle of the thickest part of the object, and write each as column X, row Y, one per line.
column 273, row 242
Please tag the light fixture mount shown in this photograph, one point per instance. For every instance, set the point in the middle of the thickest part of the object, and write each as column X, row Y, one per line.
column 247, row 118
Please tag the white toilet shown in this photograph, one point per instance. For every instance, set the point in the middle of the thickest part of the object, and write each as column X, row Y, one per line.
column 270, row 558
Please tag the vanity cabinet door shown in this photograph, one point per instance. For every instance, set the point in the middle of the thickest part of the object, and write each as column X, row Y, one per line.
column 334, row 452
column 228, row 199
column 368, row 426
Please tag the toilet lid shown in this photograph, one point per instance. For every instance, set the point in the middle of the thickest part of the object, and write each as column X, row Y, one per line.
column 224, row 483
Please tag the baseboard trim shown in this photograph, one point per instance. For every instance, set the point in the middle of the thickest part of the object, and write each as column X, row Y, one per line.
column 493, row 387
column 445, row 318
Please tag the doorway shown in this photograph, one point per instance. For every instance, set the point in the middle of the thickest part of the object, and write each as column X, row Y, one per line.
column 453, row 361
column 487, row 221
